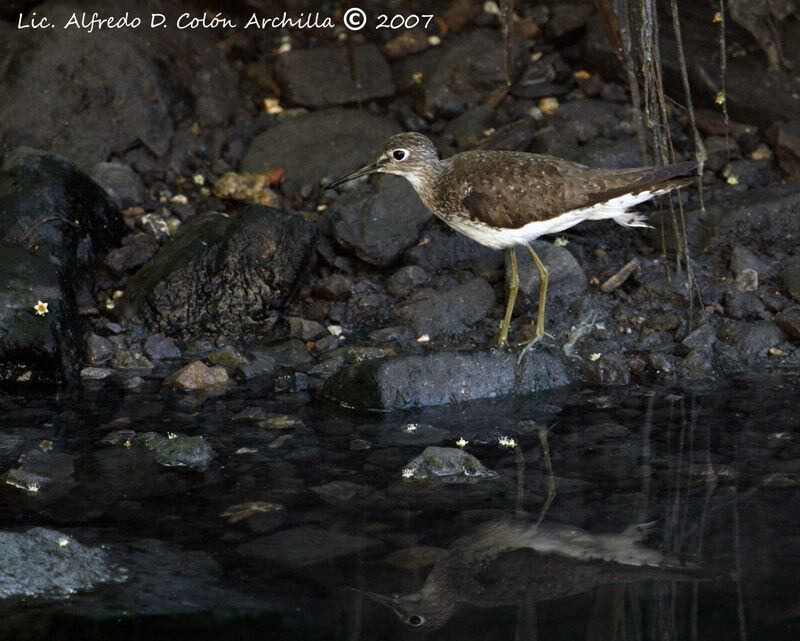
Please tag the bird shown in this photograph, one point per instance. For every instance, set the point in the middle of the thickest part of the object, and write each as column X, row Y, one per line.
column 502, row 562
column 502, row 199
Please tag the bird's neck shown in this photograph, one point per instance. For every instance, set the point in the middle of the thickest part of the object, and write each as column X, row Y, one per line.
column 424, row 182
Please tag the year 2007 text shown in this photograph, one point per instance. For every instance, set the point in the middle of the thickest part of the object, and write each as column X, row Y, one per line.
column 399, row 22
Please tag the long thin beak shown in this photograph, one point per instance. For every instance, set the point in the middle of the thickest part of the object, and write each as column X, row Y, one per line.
column 389, row 602
column 367, row 169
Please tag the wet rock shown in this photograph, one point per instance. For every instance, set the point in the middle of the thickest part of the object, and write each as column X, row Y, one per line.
column 450, row 312
column 121, row 182
column 447, row 465
column 323, row 144
column 760, row 218
column 47, row 563
column 701, row 338
column 266, row 517
column 45, row 258
column 98, row 349
column 661, row 365
column 196, row 376
column 130, row 359
column 786, row 138
column 743, row 258
column 467, row 72
column 289, row 353
column 334, row 287
column 256, row 367
column 120, row 95
column 327, row 76
column 222, row 274
column 406, row 280
column 565, row 276
column 96, row 373
column 415, row 558
column 566, row 18
column 790, row 275
column 177, row 450
column 446, row 377
column 698, row 364
column 789, row 321
column 339, row 493
column 381, row 227
column 307, row 330
column 135, row 252
column 609, row 369
column 744, row 306
column 227, row 356
column 746, row 280
column 159, row 346
column 750, row 172
column 303, row 546
column 751, row 339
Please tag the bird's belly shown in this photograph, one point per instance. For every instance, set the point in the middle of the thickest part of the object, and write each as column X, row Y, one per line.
column 498, row 238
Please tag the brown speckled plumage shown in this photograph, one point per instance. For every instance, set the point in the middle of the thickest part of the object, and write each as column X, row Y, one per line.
column 506, row 198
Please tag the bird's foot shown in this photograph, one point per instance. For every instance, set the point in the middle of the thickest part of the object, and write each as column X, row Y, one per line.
column 528, row 344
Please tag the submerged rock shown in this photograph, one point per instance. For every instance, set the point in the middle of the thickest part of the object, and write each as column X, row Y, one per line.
column 447, row 464
column 46, row 563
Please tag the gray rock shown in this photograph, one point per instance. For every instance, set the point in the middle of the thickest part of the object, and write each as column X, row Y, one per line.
column 744, row 306
column 227, row 356
column 789, row 321
column 697, row 365
column 303, row 546
column 130, row 359
column 257, row 367
column 753, row 173
column 46, row 563
column 177, row 450
column 321, row 145
column 447, row 465
column 450, row 312
column 334, row 287
column 222, row 275
column 441, row 378
column 446, row 249
column 120, row 95
column 565, row 276
column 196, row 376
column 307, row 330
column 381, row 227
column 325, row 76
column 289, row 353
column 701, row 338
column 43, row 258
column 159, row 346
column 407, row 280
column 790, row 275
column 466, row 73
column 609, row 369
column 121, row 182
column 751, row 339
column 759, row 218
column 137, row 251
column 96, row 373
column 98, row 349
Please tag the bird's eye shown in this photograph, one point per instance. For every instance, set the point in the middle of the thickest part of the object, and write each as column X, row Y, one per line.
column 399, row 154
column 415, row 620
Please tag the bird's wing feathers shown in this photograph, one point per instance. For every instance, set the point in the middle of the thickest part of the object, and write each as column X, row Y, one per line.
column 530, row 187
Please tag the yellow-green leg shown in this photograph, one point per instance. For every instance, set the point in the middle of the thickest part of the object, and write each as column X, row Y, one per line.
column 539, row 331
column 513, row 286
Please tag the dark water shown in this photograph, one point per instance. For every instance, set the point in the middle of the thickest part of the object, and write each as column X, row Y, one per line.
column 715, row 471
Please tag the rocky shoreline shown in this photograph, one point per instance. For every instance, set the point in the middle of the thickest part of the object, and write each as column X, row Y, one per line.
column 196, row 245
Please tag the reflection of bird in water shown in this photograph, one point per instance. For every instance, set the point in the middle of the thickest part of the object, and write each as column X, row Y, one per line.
column 505, row 561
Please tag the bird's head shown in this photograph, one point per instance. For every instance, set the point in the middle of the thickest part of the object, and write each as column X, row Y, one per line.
column 410, row 155
column 419, row 610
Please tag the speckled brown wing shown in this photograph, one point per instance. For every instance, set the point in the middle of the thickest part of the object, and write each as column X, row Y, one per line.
column 509, row 189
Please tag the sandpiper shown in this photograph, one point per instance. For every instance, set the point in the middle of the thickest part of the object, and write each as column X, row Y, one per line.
column 506, row 198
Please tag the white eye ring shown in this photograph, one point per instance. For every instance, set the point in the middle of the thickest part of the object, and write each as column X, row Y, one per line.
column 399, row 154
column 416, row 620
